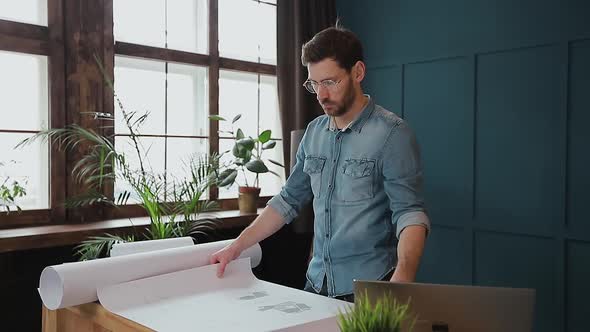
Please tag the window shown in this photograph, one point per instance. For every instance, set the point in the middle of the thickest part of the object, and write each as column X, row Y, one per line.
column 25, row 11
column 179, row 24
column 180, row 60
column 255, row 96
column 166, row 66
column 176, row 100
column 245, row 38
column 26, row 101
column 24, row 111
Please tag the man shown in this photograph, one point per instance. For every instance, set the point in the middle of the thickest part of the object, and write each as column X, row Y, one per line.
column 360, row 163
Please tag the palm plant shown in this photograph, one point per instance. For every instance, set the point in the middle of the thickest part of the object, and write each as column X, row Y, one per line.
column 103, row 165
column 386, row 315
column 179, row 216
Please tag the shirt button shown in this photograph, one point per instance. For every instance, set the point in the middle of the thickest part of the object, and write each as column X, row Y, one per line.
column 326, row 259
column 326, row 210
column 327, row 236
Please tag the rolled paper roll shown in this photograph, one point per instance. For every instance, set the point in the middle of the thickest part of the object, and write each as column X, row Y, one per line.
column 72, row 284
column 129, row 248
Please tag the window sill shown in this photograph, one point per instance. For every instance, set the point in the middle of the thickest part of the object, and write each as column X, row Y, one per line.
column 61, row 235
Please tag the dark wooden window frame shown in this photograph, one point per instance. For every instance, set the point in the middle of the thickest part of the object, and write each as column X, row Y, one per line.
column 47, row 41
column 66, row 50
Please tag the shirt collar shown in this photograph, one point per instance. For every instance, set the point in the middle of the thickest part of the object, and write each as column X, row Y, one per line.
column 358, row 123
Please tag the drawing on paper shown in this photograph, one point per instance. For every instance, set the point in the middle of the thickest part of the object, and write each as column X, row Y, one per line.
column 289, row 307
column 254, row 295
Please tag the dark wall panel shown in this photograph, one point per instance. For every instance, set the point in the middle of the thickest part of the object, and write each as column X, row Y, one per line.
column 438, row 105
column 447, row 259
column 505, row 260
column 519, row 133
column 579, row 140
column 377, row 24
column 385, row 87
column 395, row 31
column 578, row 287
column 498, row 93
column 453, row 27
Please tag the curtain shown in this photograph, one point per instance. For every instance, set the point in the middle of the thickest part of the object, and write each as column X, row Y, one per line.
column 297, row 22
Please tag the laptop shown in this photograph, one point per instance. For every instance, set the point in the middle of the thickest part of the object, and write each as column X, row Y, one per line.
column 455, row 308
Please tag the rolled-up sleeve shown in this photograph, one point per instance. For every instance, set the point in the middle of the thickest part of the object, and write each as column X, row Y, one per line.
column 297, row 190
column 403, row 179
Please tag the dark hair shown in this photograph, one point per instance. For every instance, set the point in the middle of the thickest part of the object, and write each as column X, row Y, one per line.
column 336, row 43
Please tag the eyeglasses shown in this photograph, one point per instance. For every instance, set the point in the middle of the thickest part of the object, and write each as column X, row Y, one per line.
column 313, row 86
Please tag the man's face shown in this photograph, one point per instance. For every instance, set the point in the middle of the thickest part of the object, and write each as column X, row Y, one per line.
column 337, row 99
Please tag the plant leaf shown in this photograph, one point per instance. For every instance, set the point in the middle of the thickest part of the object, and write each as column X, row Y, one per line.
column 240, row 134
column 229, row 179
column 387, row 314
column 247, row 156
column 274, row 173
column 247, row 143
column 269, row 145
column 236, row 118
column 256, row 166
column 96, row 246
column 238, row 150
column 276, row 163
column 216, row 118
column 264, row 136
column 226, row 173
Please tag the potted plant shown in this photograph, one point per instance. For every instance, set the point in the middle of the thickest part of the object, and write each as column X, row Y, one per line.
column 104, row 164
column 246, row 156
column 385, row 314
column 10, row 191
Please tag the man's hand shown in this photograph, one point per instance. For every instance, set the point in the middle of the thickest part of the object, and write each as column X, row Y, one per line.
column 266, row 224
column 224, row 256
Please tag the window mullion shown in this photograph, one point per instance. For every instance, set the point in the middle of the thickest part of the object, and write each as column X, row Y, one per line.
column 88, row 35
column 57, row 108
column 213, row 84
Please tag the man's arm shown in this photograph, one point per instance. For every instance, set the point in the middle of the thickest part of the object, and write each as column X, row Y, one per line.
column 403, row 181
column 409, row 251
column 281, row 209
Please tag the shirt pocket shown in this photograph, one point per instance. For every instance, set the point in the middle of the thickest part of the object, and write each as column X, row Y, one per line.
column 357, row 180
column 313, row 166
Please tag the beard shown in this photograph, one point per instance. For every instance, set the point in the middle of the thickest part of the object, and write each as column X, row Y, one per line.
column 333, row 108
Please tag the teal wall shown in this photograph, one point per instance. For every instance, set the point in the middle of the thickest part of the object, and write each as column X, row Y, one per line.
column 498, row 92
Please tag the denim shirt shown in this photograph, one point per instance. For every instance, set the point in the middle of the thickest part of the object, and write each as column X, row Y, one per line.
column 366, row 184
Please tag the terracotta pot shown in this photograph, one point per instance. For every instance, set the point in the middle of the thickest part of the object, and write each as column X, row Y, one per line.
column 248, row 199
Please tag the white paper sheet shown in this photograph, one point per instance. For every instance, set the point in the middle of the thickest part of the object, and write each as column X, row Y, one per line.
column 128, row 248
column 72, row 284
column 196, row 299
